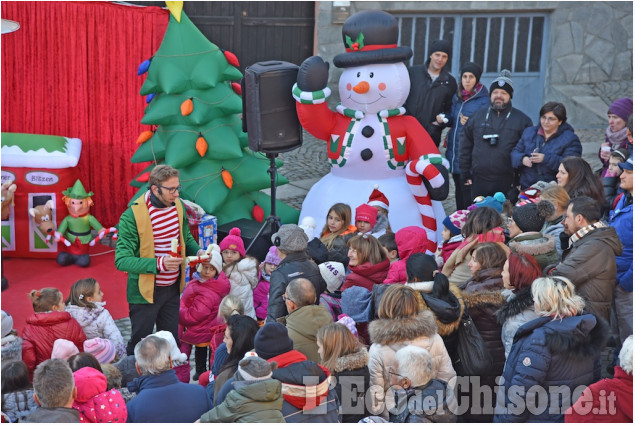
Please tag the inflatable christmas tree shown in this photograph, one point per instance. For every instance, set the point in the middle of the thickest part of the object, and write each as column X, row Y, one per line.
column 194, row 108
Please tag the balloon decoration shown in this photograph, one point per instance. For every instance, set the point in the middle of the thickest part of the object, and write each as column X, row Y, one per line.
column 369, row 138
column 195, row 118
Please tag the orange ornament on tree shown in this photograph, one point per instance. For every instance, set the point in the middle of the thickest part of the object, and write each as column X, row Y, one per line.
column 145, row 136
column 227, row 178
column 187, row 107
column 201, row 145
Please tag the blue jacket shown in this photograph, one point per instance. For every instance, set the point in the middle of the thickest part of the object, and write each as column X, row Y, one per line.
column 550, row 353
column 562, row 144
column 163, row 398
column 467, row 108
column 621, row 218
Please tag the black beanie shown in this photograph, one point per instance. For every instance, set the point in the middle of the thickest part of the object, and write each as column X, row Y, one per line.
column 474, row 68
column 440, row 46
column 531, row 217
column 503, row 81
column 272, row 340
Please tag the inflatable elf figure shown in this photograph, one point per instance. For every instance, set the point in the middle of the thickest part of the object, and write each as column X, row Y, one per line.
column 76, row 226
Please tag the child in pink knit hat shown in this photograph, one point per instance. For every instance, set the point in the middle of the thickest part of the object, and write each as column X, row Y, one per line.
column 261, row 293
column 241, row 270
column 452, row 237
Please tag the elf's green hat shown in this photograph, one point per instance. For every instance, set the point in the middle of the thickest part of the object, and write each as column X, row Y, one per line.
column 77, row 191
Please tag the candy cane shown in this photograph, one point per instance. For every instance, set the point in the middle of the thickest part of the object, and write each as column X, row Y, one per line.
column 416, row 172
column 58, row 238
column 102, row 233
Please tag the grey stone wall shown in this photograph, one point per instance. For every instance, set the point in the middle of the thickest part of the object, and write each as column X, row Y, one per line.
column 590, row 48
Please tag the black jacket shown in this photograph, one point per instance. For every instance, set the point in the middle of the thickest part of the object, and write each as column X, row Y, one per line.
column 428, row 98
column 483, row 160
column 294, row 265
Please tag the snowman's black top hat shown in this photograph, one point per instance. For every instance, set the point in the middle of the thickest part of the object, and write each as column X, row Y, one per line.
column 371, row 37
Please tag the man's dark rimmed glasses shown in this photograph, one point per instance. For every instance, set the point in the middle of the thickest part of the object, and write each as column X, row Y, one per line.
column 172, row 190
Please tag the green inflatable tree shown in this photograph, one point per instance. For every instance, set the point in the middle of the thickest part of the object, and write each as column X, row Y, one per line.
column 194, row 107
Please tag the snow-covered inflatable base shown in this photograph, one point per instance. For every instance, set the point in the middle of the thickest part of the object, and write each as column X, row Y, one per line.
column 332, row 189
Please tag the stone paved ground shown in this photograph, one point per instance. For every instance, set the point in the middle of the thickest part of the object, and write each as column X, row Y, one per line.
column 307, row 164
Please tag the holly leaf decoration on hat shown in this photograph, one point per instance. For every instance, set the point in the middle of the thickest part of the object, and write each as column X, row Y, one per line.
column 358, row 44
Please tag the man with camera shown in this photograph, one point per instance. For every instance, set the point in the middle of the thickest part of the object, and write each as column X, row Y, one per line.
column 488, row 139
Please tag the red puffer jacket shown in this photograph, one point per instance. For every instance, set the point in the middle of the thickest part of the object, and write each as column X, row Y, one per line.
column 41, row 331
column 199, row 308
column 366, row 275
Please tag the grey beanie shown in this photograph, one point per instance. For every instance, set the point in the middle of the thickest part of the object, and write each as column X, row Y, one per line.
column 7, row 323
column 503, row 81
column 254, row 368
column 290, row 238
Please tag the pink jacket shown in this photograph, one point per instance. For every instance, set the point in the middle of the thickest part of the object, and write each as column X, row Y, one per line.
column 261, row 297
column 93, row 402
column 409, row 240
column 199, row 308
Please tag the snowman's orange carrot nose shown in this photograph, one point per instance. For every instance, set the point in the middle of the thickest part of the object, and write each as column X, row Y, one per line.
column 362, row 87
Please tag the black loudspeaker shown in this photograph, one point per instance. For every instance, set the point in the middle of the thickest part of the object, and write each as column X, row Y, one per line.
column 248, row 230
column 269, row 114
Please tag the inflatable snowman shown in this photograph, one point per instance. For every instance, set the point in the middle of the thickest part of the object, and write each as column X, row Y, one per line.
column 369, row 139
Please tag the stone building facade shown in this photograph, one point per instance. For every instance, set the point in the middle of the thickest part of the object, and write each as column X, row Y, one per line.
column 587, row 58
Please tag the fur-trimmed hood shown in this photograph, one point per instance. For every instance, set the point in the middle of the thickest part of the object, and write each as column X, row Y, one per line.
column 484, row 298
column 515, row 305
column 353, row 361
column 447, row 313
column 533, row 243
column 390, row 331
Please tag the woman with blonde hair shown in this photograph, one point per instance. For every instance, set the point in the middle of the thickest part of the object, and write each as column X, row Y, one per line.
column 560, row 349
column 347, row 359
column 559, row 197
column 401, row 322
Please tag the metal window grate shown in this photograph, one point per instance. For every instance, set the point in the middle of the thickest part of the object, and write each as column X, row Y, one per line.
column 515, row 42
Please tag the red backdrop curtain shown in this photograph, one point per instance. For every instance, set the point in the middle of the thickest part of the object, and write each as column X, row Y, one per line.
column 71, row 70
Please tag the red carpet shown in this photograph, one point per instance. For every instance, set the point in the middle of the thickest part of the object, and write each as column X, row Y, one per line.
column 25, row 274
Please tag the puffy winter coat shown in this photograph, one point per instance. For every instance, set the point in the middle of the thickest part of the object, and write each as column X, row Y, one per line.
column 305, row 400
column 621, row 219
column 366, row 275
column 591, row 407
column 554, row 228
column 478, row 157
column 409, row 240
column 18, row 405
column 550, row 353
column 163, row 398
column 261, row 296
column 251, row 402
column 338, row 251
column 41, row 331
column 462, row 107
column 562, row 144
column 303, row 325
column 590, row 265
column 11, row 347
column 433, row 402
column 243, row 277
column 352, row 383
column 98, row 323
column 541, row 247
column 428, row 98
column 199, row 308
column 449, row 247
column 389, row 335
column 447, row 312
column 482, row 299
column 94, row 403
column 294, row 265
column 517, row 310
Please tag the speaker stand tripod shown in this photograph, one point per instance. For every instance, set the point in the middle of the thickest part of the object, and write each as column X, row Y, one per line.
column 273, row 221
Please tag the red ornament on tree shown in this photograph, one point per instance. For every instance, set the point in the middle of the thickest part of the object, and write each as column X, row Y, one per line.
column 258, row 213
column 237, row 88
column 231, row 58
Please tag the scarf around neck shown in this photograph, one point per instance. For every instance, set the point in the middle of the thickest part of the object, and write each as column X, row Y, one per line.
column 616, row 138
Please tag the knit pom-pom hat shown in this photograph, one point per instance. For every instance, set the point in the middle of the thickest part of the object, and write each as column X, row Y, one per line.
column 102, row 349
column 308, row 224
column 175, row 353
column 272, row 256
column 455, row 221
column 531, row 217
column 495, row 202
column 64, row 349
column 233, row 241
column 215, row 259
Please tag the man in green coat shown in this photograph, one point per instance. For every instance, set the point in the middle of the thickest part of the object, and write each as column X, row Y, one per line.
column 154, row 239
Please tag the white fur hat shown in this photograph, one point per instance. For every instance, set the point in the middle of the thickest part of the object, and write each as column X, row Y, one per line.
column 177, row 356
column 7, row 323
column 308, row 224
column 216, row 259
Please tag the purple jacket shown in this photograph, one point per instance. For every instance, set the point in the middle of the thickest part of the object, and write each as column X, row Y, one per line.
column 199, row 308
column 261, row 297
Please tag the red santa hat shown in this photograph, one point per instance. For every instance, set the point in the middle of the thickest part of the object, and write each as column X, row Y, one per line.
column 378, row 199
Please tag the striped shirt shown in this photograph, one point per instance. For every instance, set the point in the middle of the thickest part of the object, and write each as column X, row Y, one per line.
column 165, row 227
